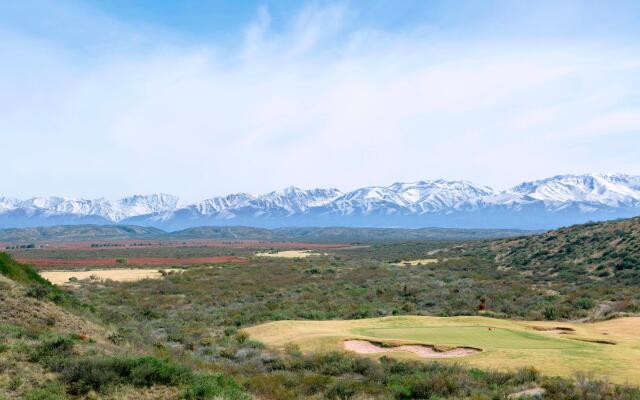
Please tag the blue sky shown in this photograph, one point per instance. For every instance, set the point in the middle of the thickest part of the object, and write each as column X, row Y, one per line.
column 197, row 98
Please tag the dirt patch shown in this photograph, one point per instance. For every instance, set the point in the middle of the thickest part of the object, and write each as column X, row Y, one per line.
column 62, row 262
column 118, row 275
column 289, row 254
column 367, row 347
column 535, row 393
column 412, row 263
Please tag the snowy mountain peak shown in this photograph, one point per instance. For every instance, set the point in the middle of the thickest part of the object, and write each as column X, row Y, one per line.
column 607, row 189
column 560, row 199
column 439, row 194
column 8, row 203
column 148, row 204
column 293, row 199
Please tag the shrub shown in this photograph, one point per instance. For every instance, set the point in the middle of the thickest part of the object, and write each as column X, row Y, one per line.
column 343, row 389
column 60, row 346
column 241, row 337
column 52, row 391
column 526, row 375
column 86, row 374
column 147, row 371
column 83, row 375
column 214, row 387
column 585, row 303
column 551, row 313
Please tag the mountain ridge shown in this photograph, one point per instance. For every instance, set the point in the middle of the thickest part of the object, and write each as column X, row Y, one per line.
column 541, row 204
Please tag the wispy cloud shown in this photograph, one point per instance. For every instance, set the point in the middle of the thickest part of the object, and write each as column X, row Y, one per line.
column 318, row 100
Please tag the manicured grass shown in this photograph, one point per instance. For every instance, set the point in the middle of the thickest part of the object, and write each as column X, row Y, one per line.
column 506, row 345
column 473, row 336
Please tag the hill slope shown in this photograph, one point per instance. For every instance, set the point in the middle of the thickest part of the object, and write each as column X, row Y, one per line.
column 598, row 250
column 78, row 233
column 341, row 234
column 49, row 351
column 332, row 234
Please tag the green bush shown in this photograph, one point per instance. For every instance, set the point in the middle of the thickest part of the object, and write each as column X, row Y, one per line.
column 585, row 303
column 213, row 387
column 52, row 391
column 82, row 375
column 85, row 374
column 59, row 346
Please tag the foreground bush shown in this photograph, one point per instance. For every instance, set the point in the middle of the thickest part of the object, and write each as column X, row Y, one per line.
column 86, row 374
column 81, row 375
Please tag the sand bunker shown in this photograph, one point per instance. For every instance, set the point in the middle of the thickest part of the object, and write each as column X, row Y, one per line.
column 561, row 330
column 423, row 261
column 366, row 347
column 118, row 275
column 289, row 254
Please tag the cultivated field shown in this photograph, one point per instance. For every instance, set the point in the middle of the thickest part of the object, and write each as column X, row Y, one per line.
column 84, row 262
column 609, row 348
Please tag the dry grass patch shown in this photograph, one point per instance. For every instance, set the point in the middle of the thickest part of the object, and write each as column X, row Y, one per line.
column 118, row 275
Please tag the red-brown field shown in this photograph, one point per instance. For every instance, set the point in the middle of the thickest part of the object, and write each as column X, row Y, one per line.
column 75, row 262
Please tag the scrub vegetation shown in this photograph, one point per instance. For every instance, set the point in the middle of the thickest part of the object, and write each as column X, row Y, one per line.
column 196, row 334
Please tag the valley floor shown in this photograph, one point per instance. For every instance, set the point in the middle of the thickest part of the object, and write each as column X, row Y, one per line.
column 275, row 327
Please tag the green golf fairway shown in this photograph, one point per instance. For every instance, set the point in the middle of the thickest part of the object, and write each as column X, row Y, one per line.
column 474, row 336
column 608, row 349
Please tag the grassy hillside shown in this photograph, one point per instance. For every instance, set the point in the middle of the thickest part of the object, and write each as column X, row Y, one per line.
column 331, row 234
column 19, row 272
column 78, row 233
column 36, row 285
column 53, row 352
column 341, row 234
column 226, row 232
column 604, row 250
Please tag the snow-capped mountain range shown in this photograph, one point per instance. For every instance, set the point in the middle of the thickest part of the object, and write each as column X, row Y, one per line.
column 547, row 203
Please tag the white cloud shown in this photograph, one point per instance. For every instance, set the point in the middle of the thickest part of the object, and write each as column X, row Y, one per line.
column 319, row 103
